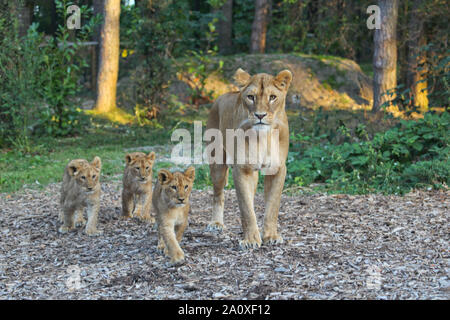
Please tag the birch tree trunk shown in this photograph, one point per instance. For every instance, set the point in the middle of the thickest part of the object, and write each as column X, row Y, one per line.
column 385, row 54
column 259, row 26
column 109, row 58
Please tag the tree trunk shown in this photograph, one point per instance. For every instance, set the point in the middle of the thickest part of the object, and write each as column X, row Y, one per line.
column 97, row 6
column 385, row 54
column 109, row 58
column 225, row 27
column 416, row 59
column 259, row 26
column 24, row 13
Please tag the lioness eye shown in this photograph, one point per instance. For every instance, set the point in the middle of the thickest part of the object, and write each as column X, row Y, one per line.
column 93, row 177
column 174, row 187
column 185, row 187
column 272, row 97
column 251, row 97
column 83, row 177
column 137, row 168
column 146, row 168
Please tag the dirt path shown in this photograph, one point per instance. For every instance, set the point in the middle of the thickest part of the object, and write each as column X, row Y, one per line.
column 336, row 247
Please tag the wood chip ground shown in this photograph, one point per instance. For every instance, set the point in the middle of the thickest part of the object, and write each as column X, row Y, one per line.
column 335, row 247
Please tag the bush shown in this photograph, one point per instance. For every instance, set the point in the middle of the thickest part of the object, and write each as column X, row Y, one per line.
column 39, row 77
column 412, row 154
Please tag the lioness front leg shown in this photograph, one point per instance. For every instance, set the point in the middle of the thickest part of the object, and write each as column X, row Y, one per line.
column 245, row 183
column 273, row 187
column 91, row 226
column 219, row 177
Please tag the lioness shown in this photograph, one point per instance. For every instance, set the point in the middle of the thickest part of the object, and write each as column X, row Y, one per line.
column 260, row 105
column 80, row 189
column 171, row 203
column 137, row 185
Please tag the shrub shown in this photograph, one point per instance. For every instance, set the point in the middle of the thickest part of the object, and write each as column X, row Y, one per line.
column 412, row 154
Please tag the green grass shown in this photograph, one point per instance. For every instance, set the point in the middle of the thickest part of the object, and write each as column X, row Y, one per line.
column 49, row 156
column 46, row 164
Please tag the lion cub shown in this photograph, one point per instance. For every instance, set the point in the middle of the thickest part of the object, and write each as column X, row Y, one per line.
column 171, row 203
column 80, row 189
column 137, row 185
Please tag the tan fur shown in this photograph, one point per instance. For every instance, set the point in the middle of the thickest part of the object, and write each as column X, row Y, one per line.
column 171, row 203
column 137, row 186
column 80, row 189
column 237, row 110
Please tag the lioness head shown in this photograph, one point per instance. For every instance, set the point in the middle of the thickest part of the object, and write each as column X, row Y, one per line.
column 176, row 186
column 140, row 165
column 86, row 174
column 263, row 95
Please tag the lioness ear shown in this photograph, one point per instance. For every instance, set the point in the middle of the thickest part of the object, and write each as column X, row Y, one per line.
column 97, row 162
column 241, row 78
column 74, row 167
column 190, row 173
column 283, row 80
column 164, row 176
column 151, row 156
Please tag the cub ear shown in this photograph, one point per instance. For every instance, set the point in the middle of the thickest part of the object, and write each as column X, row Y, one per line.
column 97, row 162
column 283, row 80
column 190, row 173
column 241, row 78
column 74, row 167
column 151, row 156
column 164, row 176
column 128, row 158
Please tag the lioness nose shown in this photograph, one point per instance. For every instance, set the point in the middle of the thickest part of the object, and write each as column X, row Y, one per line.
column 260, row 116
column 181, row 199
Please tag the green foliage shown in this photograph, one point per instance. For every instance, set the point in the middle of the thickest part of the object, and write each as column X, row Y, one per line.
column 198, row 65
column 39, row 77
column 411, row 155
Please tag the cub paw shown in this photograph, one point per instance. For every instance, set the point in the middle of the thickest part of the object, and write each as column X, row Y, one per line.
column 177, row 259
column 161, row 248
column 64, row 229
column 149, row 219
column 93, row 232
column 215, row 226
column 80, row 223
column 125, row 216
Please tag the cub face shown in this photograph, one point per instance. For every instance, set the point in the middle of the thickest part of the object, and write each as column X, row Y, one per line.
column 85, row 174
column 263, row 96
column 140, row 165
column 176, row 187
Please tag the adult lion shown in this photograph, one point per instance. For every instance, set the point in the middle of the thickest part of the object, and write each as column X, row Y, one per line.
column 260, row 105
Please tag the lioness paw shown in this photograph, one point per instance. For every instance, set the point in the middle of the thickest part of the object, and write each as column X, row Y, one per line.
column 272, row 239
column 215, row 227
column 251, row 240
